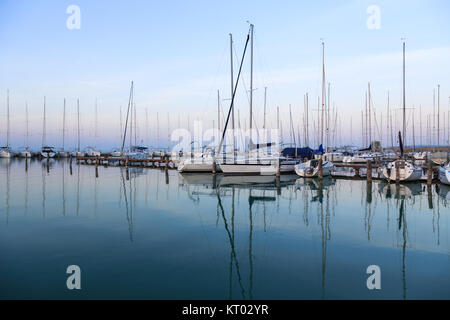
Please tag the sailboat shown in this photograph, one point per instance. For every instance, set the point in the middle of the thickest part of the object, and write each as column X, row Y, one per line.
column 310, row 168
column 5, row 152
column 26, row 153
column 264, row 165
column 444, row 174
column 401, row 170
column 46, row 151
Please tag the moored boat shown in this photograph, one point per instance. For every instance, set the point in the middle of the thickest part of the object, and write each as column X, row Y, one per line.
column 310, row 168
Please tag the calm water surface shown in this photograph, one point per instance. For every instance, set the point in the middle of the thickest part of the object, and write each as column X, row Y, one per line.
column 164, row 235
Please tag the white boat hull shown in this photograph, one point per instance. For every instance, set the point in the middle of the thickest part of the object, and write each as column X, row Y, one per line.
column 186, row 166
column 48, row 154
column 305, row 170
column 405, row 174
column 264, row 169
column 444, row 175
column 5, row 154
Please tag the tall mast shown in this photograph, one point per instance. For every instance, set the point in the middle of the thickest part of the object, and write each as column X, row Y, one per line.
column 307, row 120
column 168, row 132
column 265, row 101
column 120, row 123
column 351, row 129
column 370, row 114
column 78, row 123
column 157, row 128
column 64, row 124
column 232, row 90
column 387, row 134
column 362, row 127
column 438, row 105
column 420, row 125
column 44, row 128
column 135, row 125
column 95, row 125
column 251, row 79
column 414, row 138
column 146, row 125
column 404, row 98
column 7, row 119
column 26, row 111
column 366, row 133
column 218, row 110
column 328, row 117
column 323, row 91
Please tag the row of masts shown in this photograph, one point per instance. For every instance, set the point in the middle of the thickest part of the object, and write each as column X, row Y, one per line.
column 326, row 128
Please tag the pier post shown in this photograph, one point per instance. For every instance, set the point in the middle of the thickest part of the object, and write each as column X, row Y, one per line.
column 430, row 196
column 26, row 164
column 320, row 172
column 278, row 182
column 213, row 169
column 369, row 191
column 167, row 162
column 397, row 172
column 369, row 171
column 96, row 167
column 429, row 173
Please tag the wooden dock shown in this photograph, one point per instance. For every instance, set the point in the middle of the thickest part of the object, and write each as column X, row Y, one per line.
column 165, row 163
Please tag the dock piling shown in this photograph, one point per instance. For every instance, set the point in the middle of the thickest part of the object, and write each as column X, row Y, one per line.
column 320, row 172
column 369, row 171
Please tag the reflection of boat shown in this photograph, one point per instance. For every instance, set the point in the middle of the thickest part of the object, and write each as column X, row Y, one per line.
column 343, row 172
column 444, row 174
column 313, row 184
column 246, row 180
column 400, row 191
column 310, row 168
column 197, row 178
column 444, row 191
column 202, row 164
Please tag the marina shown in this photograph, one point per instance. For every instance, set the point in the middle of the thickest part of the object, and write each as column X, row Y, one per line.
column 205, row 151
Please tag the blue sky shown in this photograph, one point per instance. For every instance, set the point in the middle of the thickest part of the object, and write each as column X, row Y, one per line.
column 177, row 54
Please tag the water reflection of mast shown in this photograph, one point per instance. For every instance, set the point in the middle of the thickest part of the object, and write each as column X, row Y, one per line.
column 250, row 247
column 231, row 240
column 402, row 219
column 128, row 210
column 7, row 191
column 78, row 189
column 43, row 194
column 26, row 190
column 63, row 190
column 325, row 230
